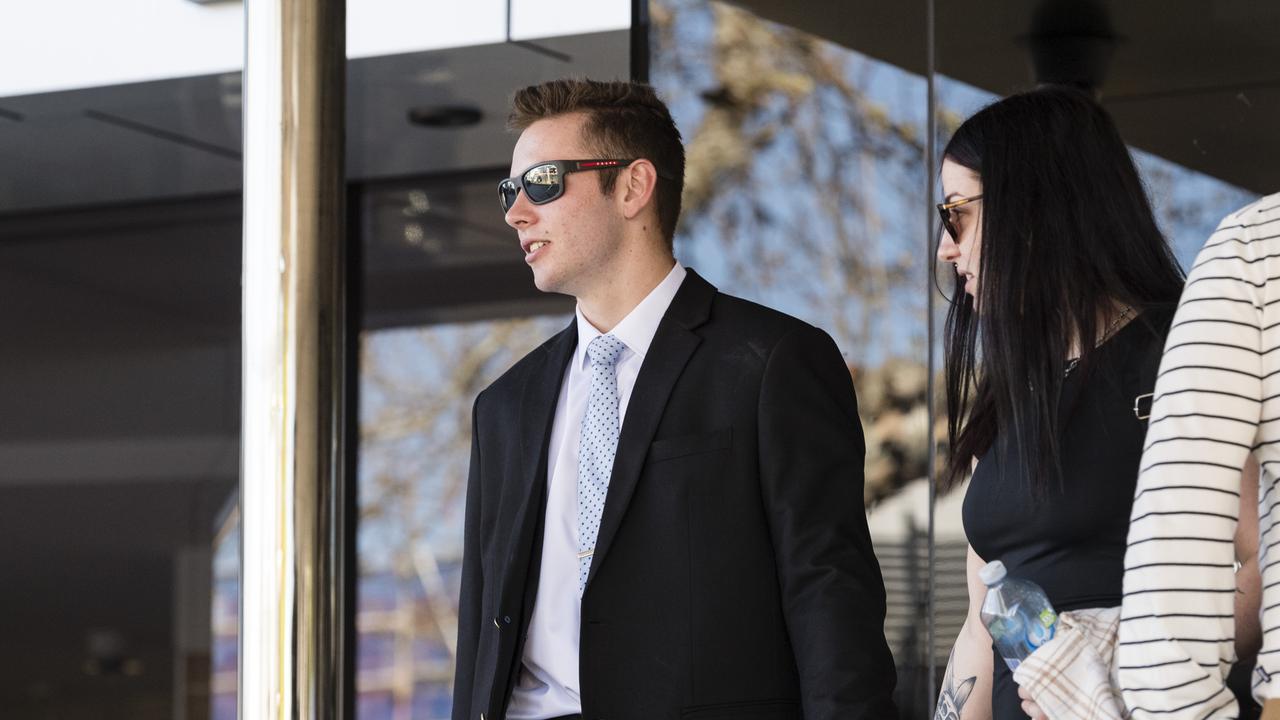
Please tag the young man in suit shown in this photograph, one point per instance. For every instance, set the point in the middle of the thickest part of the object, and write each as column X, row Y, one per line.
column 664, row 512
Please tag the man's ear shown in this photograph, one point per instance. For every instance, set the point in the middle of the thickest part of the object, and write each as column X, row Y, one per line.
column 637, row 183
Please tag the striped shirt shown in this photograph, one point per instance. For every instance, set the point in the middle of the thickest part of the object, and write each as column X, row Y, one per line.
column 1217, row 397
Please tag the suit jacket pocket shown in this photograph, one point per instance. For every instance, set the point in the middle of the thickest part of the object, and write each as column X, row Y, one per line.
column 754, row 709
column 675, row 447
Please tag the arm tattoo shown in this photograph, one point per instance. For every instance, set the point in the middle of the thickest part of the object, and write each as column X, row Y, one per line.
column 953, row 697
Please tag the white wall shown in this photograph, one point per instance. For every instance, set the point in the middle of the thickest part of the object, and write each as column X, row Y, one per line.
column 50, row 45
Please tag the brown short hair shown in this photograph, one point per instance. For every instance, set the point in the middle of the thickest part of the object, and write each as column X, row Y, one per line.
column 624, row 120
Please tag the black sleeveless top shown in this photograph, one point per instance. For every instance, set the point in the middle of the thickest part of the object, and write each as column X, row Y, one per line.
column 1071, row 541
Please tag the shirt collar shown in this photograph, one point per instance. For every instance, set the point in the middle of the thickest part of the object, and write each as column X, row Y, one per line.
column 637, row 329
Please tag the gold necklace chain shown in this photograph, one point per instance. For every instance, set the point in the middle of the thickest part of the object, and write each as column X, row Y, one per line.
column 1106, row 335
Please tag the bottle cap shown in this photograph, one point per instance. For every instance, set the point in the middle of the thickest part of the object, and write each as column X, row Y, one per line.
column 992, row 573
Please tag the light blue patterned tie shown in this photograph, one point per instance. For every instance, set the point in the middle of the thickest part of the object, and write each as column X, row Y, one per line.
column 597, row 446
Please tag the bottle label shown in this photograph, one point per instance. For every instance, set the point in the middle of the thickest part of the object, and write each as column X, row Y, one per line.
column 1041, row 632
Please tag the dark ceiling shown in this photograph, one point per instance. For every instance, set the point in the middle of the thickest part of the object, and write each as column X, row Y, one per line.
column 1196, row 82
column 181, row 137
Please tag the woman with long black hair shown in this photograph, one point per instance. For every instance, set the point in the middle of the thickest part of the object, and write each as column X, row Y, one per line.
column 1064, row 292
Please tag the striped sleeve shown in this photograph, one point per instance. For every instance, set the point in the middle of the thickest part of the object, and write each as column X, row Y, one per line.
column 1218, row 383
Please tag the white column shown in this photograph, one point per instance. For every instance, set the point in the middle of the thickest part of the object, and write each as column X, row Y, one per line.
column 293, row 330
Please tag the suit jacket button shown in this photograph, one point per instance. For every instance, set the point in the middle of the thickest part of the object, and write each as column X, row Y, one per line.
column 495, row 624
column 506, row 619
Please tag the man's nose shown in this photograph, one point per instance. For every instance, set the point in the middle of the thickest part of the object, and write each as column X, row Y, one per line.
column 520, row 213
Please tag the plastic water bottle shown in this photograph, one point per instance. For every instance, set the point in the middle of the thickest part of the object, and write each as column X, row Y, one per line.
column 1017, row 614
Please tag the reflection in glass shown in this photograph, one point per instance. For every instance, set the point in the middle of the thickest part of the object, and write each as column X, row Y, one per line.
column 806, row 164
column 417, row 389
column 225, row 647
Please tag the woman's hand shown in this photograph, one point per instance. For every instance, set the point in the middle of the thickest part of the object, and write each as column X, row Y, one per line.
column 1029, row 706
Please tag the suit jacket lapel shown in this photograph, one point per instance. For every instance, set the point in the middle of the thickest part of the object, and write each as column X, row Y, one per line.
column 537, row 411
column 673, row 344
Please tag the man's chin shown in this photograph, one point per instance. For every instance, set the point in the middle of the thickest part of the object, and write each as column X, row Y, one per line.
column 546, row 282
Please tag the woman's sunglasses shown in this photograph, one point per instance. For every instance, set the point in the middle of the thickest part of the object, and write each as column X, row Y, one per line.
column 544, row 182
column 944, row 211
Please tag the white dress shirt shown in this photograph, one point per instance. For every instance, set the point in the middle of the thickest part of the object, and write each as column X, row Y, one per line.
column 548, row 682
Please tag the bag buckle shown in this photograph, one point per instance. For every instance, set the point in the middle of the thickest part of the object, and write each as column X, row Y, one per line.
column 1137, row 406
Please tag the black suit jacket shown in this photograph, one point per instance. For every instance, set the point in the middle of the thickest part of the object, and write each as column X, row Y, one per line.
column 733, row 575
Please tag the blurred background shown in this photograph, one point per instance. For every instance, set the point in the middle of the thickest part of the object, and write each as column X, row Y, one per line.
column 809, row 188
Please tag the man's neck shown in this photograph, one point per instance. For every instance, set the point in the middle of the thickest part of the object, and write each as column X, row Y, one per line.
column 619, row 294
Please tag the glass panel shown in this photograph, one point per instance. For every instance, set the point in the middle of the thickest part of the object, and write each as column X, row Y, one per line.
column 120, row 255
column 448, row 306
column 806, row 165
column 121, row 381
column 446, row 313
column 415, row 419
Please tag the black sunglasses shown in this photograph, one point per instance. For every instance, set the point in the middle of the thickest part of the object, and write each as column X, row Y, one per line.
column 544, row 181
column 944, row 211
